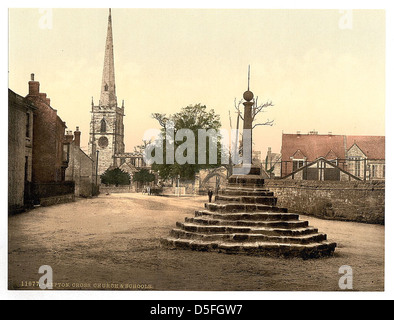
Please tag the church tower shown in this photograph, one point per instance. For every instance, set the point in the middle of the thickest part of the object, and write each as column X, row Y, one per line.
column 106, row 126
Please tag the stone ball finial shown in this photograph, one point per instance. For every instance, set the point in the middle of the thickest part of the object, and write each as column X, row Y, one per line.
column 248, row 95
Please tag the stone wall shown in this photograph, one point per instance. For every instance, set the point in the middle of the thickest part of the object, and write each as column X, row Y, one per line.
column 337, row 200
column 51, row 193
column 120, row 189
column 51, row 201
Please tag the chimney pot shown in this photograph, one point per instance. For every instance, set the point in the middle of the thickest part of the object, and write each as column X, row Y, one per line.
column 34, row 86
column 77, row 137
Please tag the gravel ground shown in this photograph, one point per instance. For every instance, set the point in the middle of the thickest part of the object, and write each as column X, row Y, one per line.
column 113, row 242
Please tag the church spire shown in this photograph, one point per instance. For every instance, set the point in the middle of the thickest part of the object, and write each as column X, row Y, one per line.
column 108, row 91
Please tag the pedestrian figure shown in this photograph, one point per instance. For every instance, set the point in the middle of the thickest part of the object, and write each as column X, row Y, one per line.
column 148, row 189
column 210, row 194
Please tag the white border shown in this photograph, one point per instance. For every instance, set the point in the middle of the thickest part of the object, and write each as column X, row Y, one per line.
column 155, row 295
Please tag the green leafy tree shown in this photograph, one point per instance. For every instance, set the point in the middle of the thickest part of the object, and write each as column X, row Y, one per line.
column 115, row 177
column 193, row 117
column 143, row 176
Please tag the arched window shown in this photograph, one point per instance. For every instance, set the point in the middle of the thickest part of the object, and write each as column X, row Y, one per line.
column 103, row 126
column 106, row 87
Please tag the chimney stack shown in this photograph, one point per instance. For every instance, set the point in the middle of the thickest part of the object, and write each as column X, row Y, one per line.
column 69, row 136
column 77, row 137
column 34, row 86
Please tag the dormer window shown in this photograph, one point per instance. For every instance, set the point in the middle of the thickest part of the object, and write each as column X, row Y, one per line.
column 297, row 163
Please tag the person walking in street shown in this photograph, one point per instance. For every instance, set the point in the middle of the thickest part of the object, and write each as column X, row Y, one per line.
column 210, row 194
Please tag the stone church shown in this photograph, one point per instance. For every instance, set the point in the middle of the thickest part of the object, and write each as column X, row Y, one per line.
column 106, row 142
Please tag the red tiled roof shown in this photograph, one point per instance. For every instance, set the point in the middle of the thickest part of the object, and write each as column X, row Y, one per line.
column 314, row 146
column 372, row 146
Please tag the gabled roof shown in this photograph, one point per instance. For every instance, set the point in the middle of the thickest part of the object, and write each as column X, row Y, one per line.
column 372, row 146
column 128, row 167
column 314, row 146
column 331, row 155
column 298, row 155
column 355, row 147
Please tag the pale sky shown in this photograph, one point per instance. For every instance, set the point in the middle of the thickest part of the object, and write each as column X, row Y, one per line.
column 319, row 75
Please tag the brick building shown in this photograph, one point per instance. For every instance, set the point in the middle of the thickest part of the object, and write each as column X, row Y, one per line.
column 20, row 151
column 49, row 153
column 49, row 156
column 361, row 156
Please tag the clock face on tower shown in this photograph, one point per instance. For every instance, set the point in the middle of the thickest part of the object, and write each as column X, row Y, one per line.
column 103, row 142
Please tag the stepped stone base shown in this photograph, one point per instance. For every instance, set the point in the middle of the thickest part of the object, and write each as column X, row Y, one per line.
column 245, row 220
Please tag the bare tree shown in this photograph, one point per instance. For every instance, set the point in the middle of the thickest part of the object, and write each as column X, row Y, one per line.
column 161, row 118
column 141, row 148
column 256, row 110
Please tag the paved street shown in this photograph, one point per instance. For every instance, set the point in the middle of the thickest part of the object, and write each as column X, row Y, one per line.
column 114, row 241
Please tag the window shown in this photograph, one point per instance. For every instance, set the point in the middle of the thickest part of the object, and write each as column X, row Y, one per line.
column 355, row 163
column 28, row 125
column 297, row 164
column 103, row 127
column 373, row 170
column 66, row 152
column 103, row 142
column 357, row 168
column 26, row 169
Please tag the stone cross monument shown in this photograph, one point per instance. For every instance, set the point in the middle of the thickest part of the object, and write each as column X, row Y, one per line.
column 245, row 217
column 247, row 168
column 248, row 124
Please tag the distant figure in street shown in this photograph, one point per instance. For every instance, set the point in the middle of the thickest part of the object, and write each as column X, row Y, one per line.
column 210, row 194
column 148, row 189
